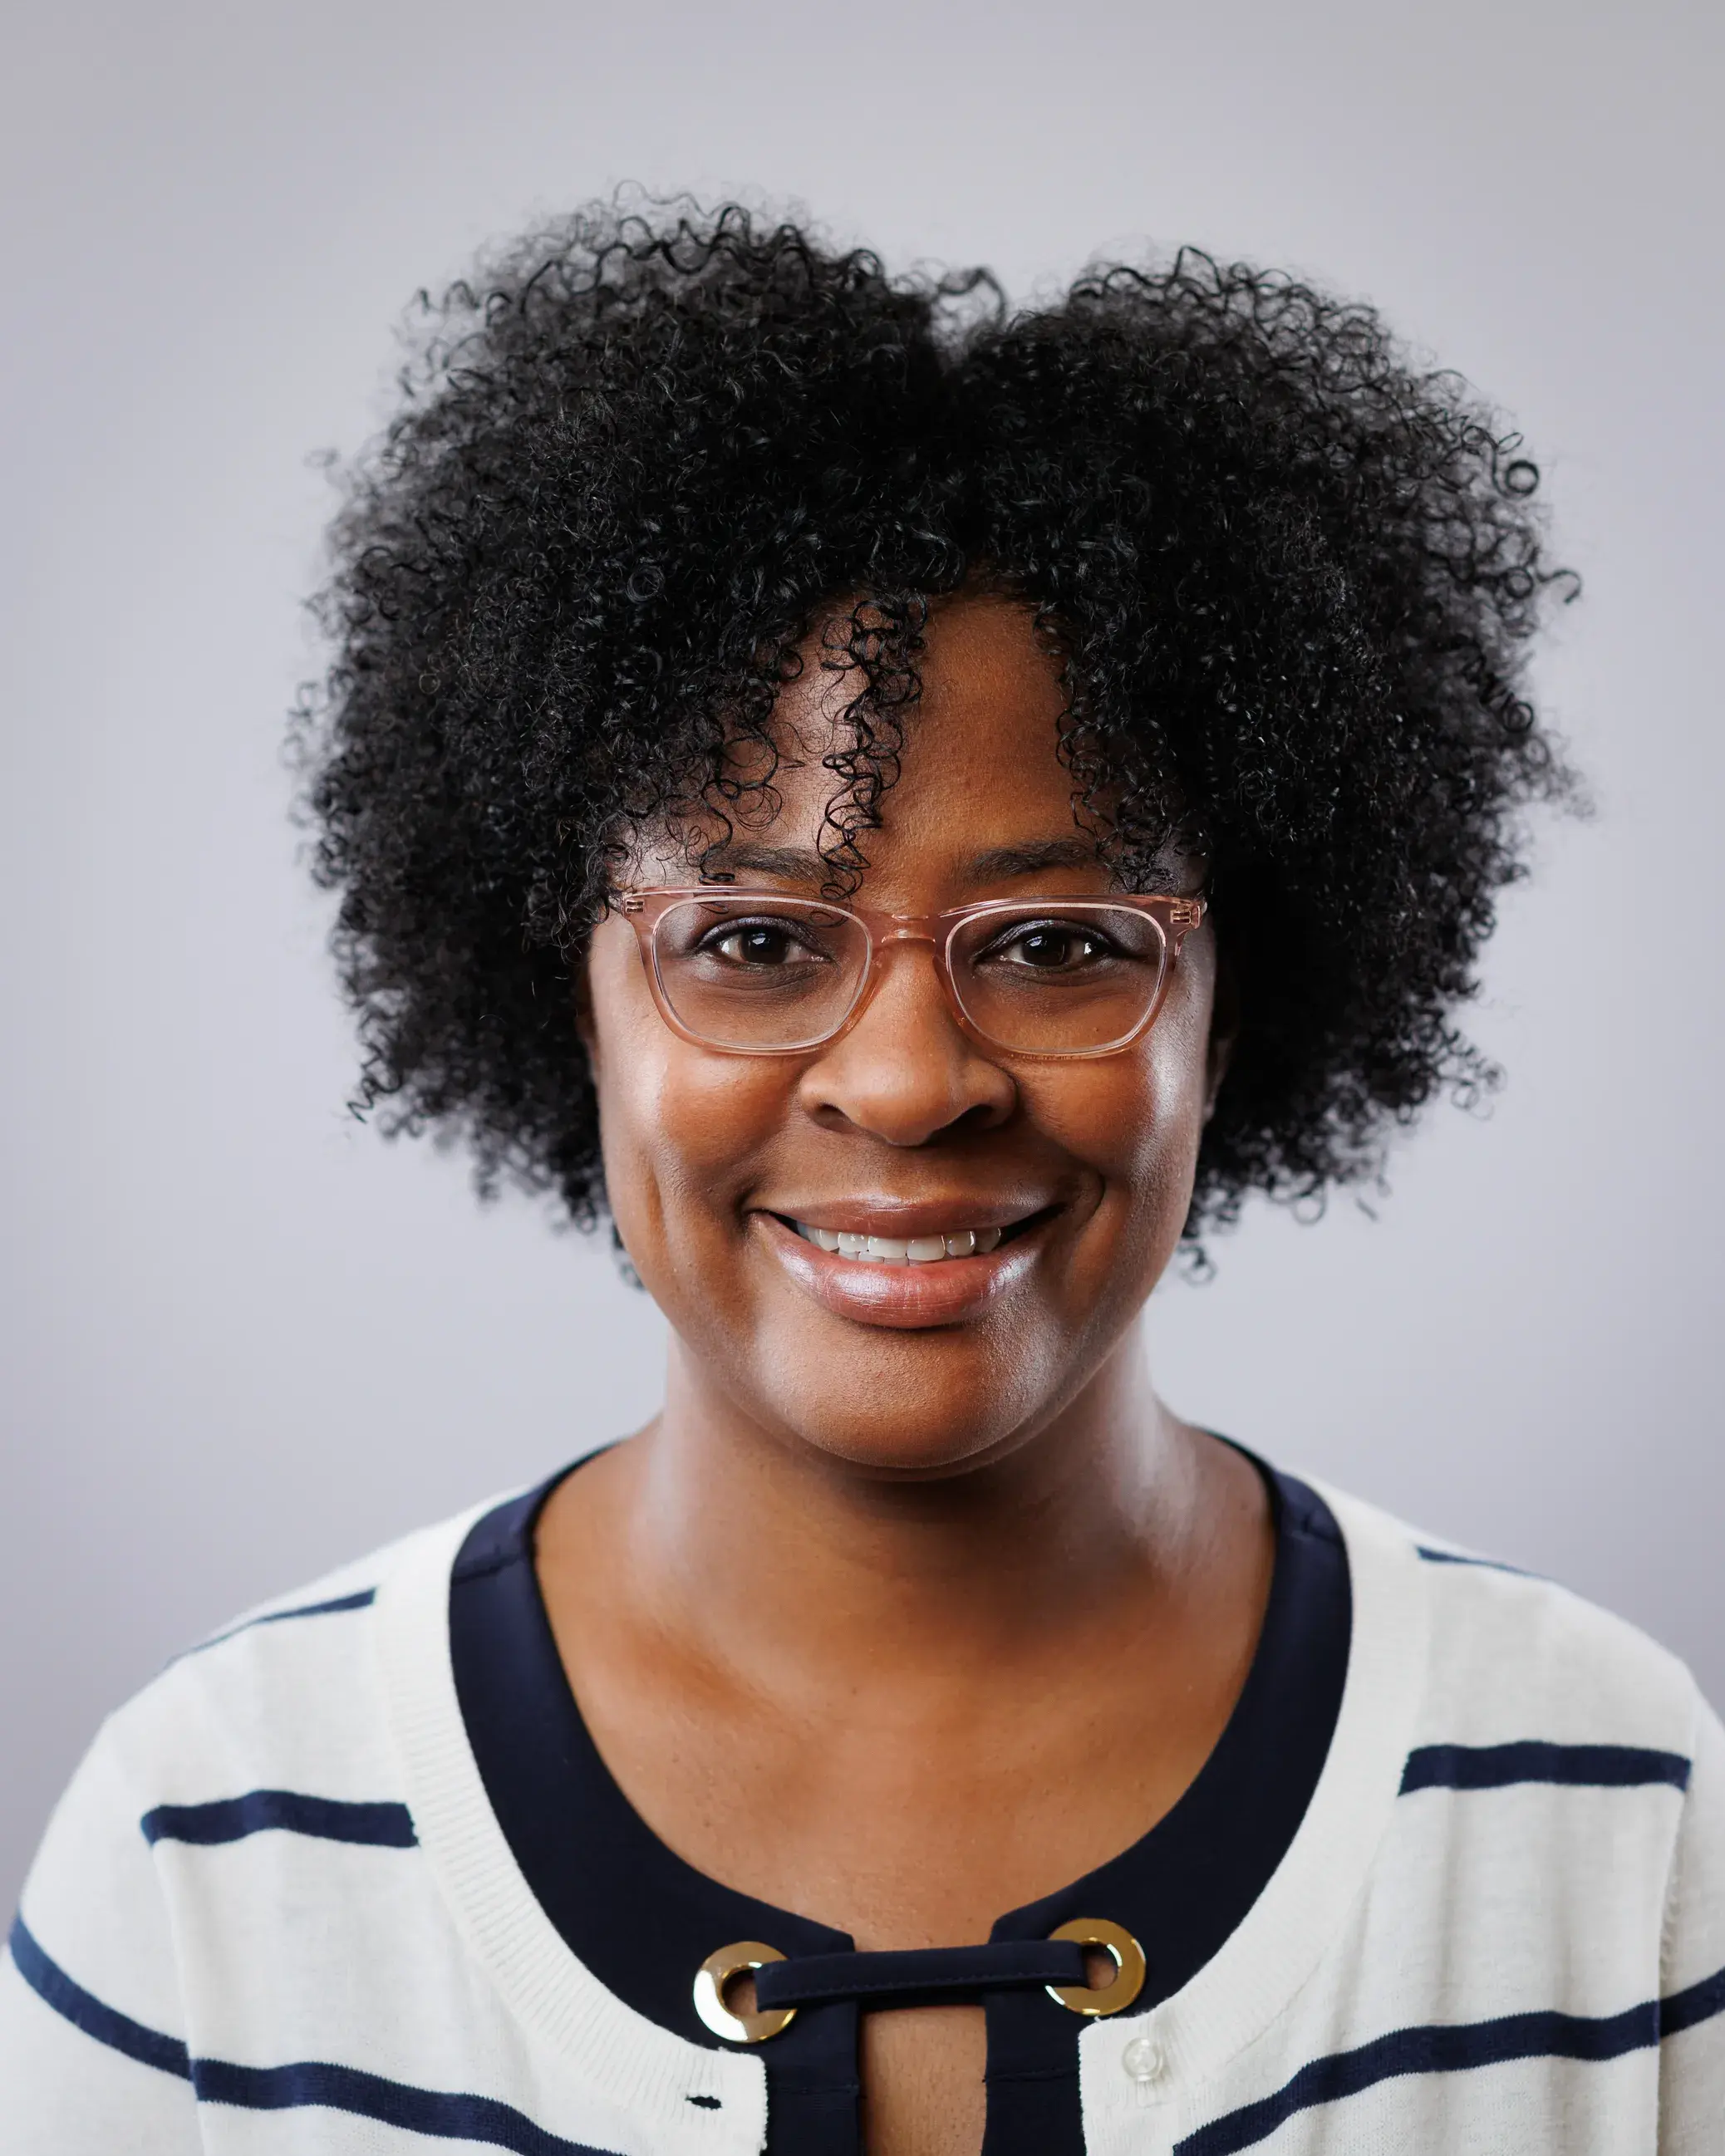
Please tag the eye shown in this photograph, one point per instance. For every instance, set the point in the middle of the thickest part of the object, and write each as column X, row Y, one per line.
column 758, row 943
column 1053, row 946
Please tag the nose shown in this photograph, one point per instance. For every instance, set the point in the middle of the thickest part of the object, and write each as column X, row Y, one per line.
column 906, row 1071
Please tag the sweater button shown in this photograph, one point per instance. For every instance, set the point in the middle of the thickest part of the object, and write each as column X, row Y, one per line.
column 1144, row 2060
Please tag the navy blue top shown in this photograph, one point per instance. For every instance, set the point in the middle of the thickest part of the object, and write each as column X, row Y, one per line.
column 643, row 1921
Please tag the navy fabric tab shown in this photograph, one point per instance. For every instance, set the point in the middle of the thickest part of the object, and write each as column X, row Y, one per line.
column 1502, row 1765
column 919, row 1974
column 446, row 2115
column 643, row 1921
column 259, row 1811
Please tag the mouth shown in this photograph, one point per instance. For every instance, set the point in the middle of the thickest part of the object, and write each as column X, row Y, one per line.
column 907, row 1267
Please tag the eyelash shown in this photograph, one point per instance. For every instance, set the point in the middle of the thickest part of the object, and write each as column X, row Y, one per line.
column 1105, row 944
column 722, row 932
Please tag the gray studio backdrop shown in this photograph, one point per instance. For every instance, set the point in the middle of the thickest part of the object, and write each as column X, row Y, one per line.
column 243, row 1337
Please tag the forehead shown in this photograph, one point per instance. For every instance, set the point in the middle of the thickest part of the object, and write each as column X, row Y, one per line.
column 976, row 761
column 971, row 796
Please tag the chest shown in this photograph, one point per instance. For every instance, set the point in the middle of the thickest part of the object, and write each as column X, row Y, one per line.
column 669, row 1826
column 904, row 1834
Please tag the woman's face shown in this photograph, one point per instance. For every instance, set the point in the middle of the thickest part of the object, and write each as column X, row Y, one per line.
column 905, row 1126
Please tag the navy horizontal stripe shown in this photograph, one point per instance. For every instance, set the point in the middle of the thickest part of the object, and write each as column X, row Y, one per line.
column 1696, row 2003
column 1583, row 1766
column 1458, row 2048
column 259, row 1811
column 50, row 1982
column 443, row 2115
column 361, row 1599
column 1458, row 1557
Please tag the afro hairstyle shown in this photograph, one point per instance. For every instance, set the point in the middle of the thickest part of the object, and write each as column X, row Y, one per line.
column 643, row 455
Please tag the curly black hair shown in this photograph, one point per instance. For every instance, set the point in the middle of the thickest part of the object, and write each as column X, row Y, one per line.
column 645, row 453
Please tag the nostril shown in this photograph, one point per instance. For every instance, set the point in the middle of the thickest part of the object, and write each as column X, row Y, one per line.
column 985, row 1115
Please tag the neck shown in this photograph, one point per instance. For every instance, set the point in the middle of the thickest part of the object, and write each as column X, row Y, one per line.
column 777, row 1556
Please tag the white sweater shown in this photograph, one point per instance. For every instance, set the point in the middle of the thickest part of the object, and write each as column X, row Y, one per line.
column 1500, row 1929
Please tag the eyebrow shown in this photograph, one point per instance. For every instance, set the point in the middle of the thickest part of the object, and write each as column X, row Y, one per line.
column 792, row 863
column 802, row 865
column 1000, row 862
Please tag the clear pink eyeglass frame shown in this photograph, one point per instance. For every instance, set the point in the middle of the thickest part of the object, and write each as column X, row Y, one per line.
column 1175, row 917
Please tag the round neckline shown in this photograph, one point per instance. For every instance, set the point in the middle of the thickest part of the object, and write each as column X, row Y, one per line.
column 642, row 1918
column 697, row 2099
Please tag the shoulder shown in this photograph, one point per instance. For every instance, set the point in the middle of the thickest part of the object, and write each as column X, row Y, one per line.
column 1562, row 1799
column 232, row 1865
column 279, row 1720
column 1526, row 1678
column 287, row 1694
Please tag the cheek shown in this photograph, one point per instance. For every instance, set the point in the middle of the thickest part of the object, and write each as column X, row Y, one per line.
column 679, row 1127
column 1135, row 1121
column 695, row 1122
column 1135, row 1118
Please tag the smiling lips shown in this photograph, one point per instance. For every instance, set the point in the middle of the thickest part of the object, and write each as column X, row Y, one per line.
column 940, row 1275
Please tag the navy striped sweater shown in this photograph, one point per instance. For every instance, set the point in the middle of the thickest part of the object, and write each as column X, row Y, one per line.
column 275, row 1912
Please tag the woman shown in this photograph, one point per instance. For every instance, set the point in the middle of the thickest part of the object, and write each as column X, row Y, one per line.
column 911, row 812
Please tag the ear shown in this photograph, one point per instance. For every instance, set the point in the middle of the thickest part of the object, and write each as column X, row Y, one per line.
column 1224, row 1028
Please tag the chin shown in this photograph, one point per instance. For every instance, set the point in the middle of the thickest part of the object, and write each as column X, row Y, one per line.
column 873, row 1455
column 910, row 1431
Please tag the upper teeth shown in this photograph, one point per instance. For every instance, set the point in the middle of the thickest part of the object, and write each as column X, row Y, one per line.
column 911, row 1250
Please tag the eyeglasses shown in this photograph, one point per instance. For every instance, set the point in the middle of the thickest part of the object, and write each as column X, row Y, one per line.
column 756, row 973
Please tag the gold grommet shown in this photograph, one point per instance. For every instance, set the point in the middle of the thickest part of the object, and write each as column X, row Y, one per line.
column 1128, row 1959
column 711, row 1978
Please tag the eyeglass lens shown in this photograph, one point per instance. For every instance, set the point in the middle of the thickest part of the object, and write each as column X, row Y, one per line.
column 1051, row 979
